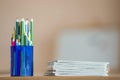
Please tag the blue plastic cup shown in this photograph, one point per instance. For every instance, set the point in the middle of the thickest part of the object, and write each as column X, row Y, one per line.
column 21, row 61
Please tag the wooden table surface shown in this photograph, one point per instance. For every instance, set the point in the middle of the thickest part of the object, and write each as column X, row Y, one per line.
column 115, row 77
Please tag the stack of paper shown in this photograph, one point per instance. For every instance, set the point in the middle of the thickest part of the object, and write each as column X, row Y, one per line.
column 77, row 68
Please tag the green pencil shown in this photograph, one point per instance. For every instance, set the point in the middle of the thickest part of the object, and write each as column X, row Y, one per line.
column 22, row 31
column 17, row 28
column 31, row 30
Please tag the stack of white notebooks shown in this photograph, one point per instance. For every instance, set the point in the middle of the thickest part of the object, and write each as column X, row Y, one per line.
column 77, row 68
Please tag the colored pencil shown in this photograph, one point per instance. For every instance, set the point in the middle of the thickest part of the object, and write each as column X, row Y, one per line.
column 22, row 31
column 31, row 30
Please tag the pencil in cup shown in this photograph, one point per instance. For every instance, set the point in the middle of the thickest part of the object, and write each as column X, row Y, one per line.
column 15, row 61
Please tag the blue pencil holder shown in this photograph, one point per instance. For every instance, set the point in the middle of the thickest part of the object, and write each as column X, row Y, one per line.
column 21, row 61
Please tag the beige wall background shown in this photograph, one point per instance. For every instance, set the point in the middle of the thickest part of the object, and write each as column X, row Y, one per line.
column 50, row 17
